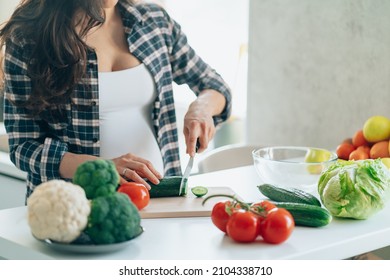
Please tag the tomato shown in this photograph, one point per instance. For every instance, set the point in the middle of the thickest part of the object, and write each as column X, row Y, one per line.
column 242, row 226
column 137, row 193
column 262, row 208
column 277, row 226
column 219, row 215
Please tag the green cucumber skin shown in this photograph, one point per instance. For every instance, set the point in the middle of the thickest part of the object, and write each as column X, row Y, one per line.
column 168, row 187
column 306, row 214
column 288, row 195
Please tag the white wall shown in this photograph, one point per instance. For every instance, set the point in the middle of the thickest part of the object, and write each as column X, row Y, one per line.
column 317, row 69
column 221, row 42
column 6, row 8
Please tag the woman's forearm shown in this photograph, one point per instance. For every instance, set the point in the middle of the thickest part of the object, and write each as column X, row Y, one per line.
column 210, row 101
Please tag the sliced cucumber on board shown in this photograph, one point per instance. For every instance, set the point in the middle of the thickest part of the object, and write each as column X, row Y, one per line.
column 168, row 187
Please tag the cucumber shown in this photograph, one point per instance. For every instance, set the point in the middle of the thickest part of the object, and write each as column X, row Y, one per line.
column 199, row 191
column 168, row 187
column 306, row 214
column 288, row 195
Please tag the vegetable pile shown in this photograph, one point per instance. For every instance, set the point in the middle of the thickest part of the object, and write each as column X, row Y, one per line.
column 272, row 220
column 355, row 189
column 89, row 207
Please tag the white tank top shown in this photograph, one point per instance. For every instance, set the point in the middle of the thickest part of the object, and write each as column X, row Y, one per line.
column 125, row 103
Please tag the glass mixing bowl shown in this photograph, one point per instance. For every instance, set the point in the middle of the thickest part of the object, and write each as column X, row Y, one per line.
column 292, row 167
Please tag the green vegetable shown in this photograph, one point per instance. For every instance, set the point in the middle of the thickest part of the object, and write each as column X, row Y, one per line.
column 113, row 218
column 199, row 191
column 98, row 178
column 288, row 195
column 168, row 187
column 306, row 214
column 355, row 189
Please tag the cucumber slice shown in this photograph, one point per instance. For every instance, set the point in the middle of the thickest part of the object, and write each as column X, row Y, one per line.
column 199, row 191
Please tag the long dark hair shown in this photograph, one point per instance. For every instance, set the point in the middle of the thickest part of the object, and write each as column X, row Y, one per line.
column 56, row 28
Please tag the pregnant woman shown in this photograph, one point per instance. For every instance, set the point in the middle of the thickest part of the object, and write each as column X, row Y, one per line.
column 93, row 79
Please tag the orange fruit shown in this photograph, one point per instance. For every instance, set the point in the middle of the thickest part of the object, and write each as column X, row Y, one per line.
column 376, row 129
column 380, row 150
column 358, row 139
column 358, row 155
column 344, row 150
column 365, row 148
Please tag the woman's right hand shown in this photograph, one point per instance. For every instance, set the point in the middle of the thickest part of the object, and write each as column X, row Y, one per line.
column 131, row 167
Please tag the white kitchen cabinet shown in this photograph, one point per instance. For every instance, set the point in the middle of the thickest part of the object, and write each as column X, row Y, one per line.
column 12, row 192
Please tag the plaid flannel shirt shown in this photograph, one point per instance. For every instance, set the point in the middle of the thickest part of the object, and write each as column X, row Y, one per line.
column 37, row 146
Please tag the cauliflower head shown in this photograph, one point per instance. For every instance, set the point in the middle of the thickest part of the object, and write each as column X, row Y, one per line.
column 97, row 177
column 114, row 218
column 58, row 210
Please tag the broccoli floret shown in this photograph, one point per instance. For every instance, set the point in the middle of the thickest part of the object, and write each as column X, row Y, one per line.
column 98, row 178
column 114, row 218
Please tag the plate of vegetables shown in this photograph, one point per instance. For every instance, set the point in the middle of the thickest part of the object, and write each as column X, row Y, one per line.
column 86, row 215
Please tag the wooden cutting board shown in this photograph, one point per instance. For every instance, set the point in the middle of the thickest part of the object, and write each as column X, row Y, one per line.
column 184, row 206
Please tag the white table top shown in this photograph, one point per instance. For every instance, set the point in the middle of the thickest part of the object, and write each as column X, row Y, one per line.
column 198, row 238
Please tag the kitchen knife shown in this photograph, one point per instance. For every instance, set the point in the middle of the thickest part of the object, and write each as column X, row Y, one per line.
column 187, row 171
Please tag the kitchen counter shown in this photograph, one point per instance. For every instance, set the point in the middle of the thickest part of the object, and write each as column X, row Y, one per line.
column 198, row 238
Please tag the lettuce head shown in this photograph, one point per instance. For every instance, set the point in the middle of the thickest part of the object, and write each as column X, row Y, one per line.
column 355, row 189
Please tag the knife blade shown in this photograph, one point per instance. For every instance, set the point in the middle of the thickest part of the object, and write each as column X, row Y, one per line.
column 187, row 171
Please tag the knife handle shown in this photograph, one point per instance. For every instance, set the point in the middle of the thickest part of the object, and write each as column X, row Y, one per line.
column 197, row 146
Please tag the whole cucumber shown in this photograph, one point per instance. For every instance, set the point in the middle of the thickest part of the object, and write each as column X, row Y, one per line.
column 288, row 195
column 306, row 214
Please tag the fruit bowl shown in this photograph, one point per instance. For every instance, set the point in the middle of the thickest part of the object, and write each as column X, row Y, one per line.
column 292, row 167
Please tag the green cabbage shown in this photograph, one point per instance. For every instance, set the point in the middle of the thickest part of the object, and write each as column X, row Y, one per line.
column 355, row 189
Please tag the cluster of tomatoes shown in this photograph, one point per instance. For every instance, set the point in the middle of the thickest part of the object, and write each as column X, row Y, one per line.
column 244, row 222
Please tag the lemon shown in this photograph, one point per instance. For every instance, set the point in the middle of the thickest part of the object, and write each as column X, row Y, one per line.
column 386, row 161
column 316, row 155
column 376, row 128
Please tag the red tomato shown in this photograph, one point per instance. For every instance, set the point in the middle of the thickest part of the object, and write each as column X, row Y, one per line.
column 242, row 226
column 277, row 226
column 219, row 216
column 137, row 192
column 262, row 208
